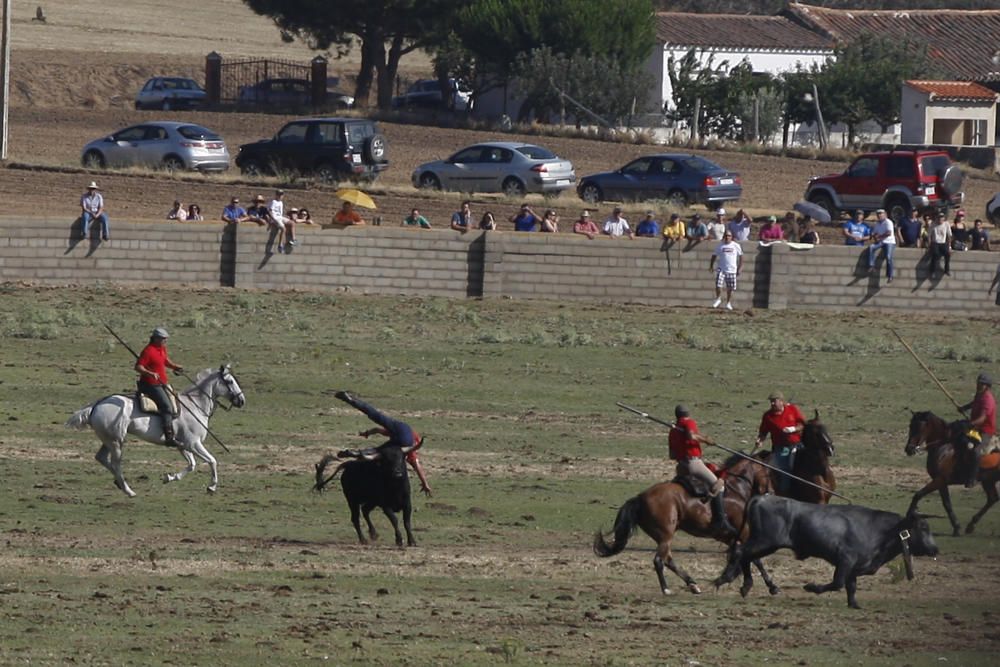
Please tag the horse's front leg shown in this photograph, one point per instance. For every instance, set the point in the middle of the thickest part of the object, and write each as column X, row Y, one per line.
column 946, row 501
column 206, row 456
column 691, row 583
column 178, row 476
column 990, row 485
column 662, row 552
column 115, row 460
column 930, row 487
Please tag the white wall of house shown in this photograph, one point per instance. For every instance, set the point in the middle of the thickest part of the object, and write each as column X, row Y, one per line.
column 927, row 121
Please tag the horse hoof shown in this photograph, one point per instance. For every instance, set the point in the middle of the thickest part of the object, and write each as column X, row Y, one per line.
column 167, row 477
column 956, row 533
column 968, row 529
column 773, row 590
column 744, row 591
column 212, row 489
column 667, row 591
column 812, row 588
column 694, row 588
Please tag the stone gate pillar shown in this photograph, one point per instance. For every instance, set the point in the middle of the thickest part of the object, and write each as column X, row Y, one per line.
column 213, row 78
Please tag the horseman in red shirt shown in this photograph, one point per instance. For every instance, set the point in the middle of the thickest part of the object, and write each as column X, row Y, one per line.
column 152, row 366
column 685, row 448
column 984, row 420
column 784, row 423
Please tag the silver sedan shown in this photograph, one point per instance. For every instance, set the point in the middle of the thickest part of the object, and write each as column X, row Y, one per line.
column 509, row 167
column 160, row 144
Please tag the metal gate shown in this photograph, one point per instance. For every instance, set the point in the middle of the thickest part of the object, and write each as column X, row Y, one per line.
column 239, row 77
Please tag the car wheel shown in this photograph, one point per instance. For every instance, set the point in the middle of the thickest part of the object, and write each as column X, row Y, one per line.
column 251, row 168
column 677, row 199
column 590, row 193
column 513, row 187
column 824, row 202
column 375, row 148
column 93, row 160
column 898, row 209
column 429, row 181
column 327, row 173
column 173, row 163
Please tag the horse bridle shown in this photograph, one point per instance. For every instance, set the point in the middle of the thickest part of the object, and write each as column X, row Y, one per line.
column 226, row 378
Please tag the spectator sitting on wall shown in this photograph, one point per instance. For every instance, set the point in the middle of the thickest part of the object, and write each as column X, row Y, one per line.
column 488, row 223
column 304, row 217
column 740, row 226
column 347, row 216
column 979, row 237
column 258, row 213
column 234, row 213
column 414, row 219
column 675, row 229
column 697, row 230
column 461, row 220
column 939, row 236
column 525, row 219
column 550, row 222
column 586, row 226
column 790, row 227
column 856, row 231
column 649, row 227
column 908, row 232
column 717, row 228
column 960, row 233
column 92, row 207
column 616, row 226
column 808, row 233
column 194, row 213
column 177, row 212
column 277, row 220
column 771, row 231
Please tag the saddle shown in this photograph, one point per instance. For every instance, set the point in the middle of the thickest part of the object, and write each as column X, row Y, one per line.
column 146, row 404
column 695, row 487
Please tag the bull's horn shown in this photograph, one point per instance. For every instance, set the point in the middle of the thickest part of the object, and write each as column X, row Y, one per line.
column 816, row 414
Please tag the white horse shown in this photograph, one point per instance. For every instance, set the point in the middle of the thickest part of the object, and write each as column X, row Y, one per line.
column 114, row 417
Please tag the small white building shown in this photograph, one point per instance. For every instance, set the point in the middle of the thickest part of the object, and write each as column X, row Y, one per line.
column 948, row 113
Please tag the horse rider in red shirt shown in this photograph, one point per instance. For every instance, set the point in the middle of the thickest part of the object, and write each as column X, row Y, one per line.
column 984, row 420
column 685, row 448
column 152, row 366
column 784, row 423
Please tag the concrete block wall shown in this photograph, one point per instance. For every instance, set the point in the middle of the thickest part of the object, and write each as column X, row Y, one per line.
column 51, row 252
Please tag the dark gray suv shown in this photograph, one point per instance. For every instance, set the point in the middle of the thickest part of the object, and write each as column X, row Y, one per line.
column 332, row 149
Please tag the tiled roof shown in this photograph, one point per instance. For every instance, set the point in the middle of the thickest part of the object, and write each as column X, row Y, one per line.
column 736, row 30
column 958, row 91
column 962, row 43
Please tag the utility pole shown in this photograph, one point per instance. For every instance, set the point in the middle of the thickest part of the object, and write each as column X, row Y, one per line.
column 4, row 76
column 821, row 126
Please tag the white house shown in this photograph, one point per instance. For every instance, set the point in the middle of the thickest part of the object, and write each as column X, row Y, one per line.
column 952, row 113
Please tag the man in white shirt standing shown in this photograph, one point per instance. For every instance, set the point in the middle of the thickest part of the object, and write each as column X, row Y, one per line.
column 616, row 226
column 939, row 236
column 884, row 239
column 730, row 256
column 276, row 207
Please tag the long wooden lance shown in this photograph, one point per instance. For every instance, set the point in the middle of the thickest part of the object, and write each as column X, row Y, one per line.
column 709, row 441
column 176, row 396
column 931, row 373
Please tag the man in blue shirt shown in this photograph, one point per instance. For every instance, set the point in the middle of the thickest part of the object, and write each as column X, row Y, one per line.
column 649, row 226
column 234, row 212
column 856, row 232
column 909, row 230
column 525, row 220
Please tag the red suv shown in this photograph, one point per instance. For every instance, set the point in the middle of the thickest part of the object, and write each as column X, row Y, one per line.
column 898, row 181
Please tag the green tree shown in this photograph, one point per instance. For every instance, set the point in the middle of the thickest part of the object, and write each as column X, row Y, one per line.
column 385, row 31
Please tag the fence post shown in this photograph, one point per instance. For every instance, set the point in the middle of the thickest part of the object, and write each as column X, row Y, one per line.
column 213, row 78
column 317, row 78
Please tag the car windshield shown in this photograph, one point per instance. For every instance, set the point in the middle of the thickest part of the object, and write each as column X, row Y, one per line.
column 197, row 132
column 536, row 152
column 700, row 164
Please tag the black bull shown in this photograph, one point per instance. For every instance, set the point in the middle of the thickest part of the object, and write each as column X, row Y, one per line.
column 855, row 540
column 368, row 484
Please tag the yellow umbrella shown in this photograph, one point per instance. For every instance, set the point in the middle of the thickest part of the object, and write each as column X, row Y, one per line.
column 356, row 197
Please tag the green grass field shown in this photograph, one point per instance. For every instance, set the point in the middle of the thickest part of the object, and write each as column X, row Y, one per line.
column 528, row 456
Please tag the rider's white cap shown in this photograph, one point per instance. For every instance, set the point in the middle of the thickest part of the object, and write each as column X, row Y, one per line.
column 160, row 332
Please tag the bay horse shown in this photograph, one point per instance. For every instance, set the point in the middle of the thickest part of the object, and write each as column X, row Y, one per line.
column 812, row 463
column 942, row 440
column 114, row 417
column 664, row 508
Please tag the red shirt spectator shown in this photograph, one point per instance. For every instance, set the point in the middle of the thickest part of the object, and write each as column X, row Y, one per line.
column 777, row 424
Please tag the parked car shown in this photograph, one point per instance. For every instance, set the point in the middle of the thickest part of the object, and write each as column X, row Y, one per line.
column 164, row 144
column 426, row 94
column 503, row 166
column 680, row 178
column 897, row 181
column 333, row 149
column 170, row 92
column 290, row 93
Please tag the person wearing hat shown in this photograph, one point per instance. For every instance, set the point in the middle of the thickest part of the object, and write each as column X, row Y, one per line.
column 649, row 227
column 586, row 226
column 983, row 418
column 784, row 423
column 717, row 227
column 152, row 366
column 884, row 239
column 92, row 207
column 258, row 212
column 675, row 229
column 617, row 226
column 855, row 230
column 770, row 231
column 685, row 448
column 697, row 230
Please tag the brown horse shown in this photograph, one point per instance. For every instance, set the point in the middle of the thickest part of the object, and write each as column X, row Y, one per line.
column 812, row 463
column 664, row 508
column 942, row 440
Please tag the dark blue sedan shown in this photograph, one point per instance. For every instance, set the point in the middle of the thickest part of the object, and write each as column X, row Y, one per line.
column 679, row 178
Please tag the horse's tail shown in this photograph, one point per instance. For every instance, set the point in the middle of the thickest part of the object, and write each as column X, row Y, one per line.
column 625, row 524
column 80, row 418
column 321, row 467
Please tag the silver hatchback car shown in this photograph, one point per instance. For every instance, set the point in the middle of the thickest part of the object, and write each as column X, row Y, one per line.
column 159, row 144
column 512, row 168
